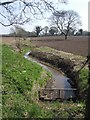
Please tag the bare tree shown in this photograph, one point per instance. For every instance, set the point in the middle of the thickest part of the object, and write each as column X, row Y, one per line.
column 65, row 20
column 38, row 29
column 22, row 11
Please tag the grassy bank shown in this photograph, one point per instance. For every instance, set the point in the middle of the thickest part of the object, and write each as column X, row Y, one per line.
column 20, row 81
column 83, row 82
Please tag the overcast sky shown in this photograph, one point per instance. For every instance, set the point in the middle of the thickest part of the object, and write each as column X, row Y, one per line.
column 80, row 6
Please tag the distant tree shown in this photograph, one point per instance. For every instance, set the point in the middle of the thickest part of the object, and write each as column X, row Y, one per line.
column 71, row 31
column 88, row 33
column 12, row 32
column 84, row 33
column 53, row 30
column 38, row 29
column 81, row 31
column 32, row 34
column 18, row 31
column 65, row 20
column 46, row 28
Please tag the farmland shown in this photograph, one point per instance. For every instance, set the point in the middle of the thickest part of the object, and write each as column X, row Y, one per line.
column 77, row 45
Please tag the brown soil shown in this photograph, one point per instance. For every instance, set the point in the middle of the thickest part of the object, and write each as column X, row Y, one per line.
column 76, row 45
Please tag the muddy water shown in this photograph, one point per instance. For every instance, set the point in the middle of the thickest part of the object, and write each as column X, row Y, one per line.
column 59, row 81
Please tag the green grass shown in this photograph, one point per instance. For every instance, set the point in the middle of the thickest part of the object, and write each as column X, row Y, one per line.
column 83, row 81
column 20, row 81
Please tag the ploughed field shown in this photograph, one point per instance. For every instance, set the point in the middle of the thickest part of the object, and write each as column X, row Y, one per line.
column 74, row 44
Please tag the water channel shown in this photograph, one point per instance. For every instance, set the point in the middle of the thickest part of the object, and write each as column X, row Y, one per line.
column 59, row 80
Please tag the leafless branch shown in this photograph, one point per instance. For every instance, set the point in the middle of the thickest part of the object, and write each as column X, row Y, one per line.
column 21, row 11
column 65, row 20
column 6, row 3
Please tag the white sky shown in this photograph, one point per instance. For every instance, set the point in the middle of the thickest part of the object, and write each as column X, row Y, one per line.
column 80, row 6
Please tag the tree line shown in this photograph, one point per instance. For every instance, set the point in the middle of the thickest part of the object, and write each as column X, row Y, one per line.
column 18, row 31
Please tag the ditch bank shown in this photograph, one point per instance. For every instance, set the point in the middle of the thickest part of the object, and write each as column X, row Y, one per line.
column 65, row 62
column 58, row 87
